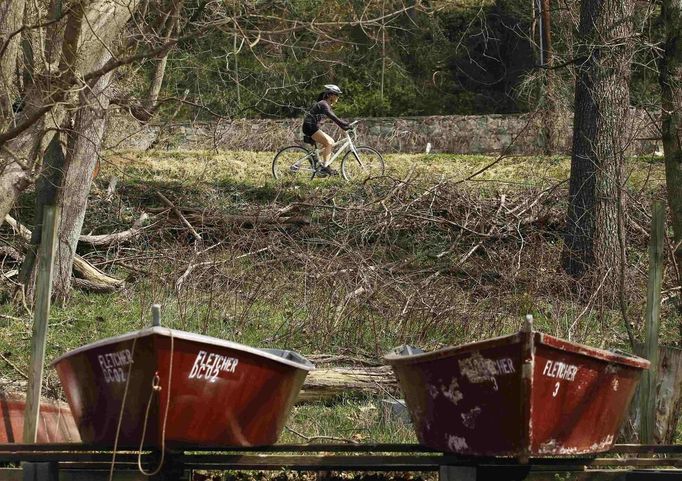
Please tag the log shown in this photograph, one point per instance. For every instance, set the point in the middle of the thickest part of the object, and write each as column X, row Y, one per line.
column 92, row 278
column 104, row 240
column 201, row 217
column 327, row 383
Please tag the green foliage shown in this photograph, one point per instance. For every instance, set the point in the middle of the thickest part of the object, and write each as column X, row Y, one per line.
column 448, row 57
column 461, row 57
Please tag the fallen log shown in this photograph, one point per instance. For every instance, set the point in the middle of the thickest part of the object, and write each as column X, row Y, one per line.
column 201, row 217
column 103, row 240
column 92, row 278
column 327, row 383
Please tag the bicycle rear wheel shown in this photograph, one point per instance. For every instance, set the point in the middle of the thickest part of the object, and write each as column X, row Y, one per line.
column 292, row 162
column 367, row 163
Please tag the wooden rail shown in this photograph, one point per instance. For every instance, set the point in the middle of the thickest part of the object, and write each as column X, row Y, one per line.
column 76, row 462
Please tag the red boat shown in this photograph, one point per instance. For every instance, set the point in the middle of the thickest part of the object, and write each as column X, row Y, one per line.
column 55, row 422
column 524, row 395
column 175, row 388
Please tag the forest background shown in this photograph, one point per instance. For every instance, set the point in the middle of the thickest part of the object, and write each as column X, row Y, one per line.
column 463, row 57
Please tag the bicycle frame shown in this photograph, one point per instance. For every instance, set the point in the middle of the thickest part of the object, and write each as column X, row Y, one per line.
column 348, row 143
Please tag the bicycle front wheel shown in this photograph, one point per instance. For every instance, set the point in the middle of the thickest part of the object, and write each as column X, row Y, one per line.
column 292, row 162
column 363, row 165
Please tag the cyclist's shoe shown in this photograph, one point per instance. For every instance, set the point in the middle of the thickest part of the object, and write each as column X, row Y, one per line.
column 328, row 171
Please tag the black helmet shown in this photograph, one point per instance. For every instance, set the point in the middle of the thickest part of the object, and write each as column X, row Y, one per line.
column 332, row 89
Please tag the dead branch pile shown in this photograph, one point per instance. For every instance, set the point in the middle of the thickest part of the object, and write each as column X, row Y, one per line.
column 373, row 266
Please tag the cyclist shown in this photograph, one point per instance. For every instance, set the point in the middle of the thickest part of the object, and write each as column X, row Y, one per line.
column 313, row 119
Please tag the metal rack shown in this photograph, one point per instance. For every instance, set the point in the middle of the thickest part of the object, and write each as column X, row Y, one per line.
column 76, row 462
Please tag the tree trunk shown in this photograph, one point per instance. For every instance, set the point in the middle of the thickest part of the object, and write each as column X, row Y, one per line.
column 47, row 188
column 11, row 20
column 671, row 106
column 594, row 238
column 90, row 34
column 82, row 155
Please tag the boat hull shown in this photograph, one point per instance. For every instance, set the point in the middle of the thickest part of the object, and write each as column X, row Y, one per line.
column 174, row 388
column 523, row 395
column 55, row 423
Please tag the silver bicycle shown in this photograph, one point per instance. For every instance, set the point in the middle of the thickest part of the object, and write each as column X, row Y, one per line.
column 358, row 163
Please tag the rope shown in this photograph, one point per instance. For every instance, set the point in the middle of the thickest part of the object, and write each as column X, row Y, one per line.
column 120, row 416
column 156, row 387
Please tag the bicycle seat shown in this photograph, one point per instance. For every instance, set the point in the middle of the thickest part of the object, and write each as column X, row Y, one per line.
column 309, row 140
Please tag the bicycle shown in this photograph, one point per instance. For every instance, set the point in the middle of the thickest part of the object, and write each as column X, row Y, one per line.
column 358, row 163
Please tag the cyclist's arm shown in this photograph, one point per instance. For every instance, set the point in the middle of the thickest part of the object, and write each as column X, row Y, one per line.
column 328, row 112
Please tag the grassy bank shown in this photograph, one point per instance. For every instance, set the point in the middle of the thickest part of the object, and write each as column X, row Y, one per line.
column 421, row 256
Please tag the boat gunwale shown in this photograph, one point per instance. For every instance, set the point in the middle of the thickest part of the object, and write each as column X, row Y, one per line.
column 589, row 351
column 187, row 336
column 540, row 337
column 393, row 358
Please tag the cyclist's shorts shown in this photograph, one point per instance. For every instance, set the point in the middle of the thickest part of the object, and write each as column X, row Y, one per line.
column 309, row 129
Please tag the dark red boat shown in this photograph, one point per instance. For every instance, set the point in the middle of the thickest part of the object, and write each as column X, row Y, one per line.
column 198, row 390
column 525, row 395
column 55, row 422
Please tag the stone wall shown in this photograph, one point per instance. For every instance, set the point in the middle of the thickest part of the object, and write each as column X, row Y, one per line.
column 470, row 134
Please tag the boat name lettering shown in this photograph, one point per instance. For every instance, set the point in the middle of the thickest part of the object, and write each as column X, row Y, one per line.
column 479, row 369
column 560, row 370
column 209, row 365
column 112, row 364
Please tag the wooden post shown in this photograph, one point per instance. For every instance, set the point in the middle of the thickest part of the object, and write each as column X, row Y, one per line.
column 40, row 318
column 156, row 315
column 40, row 471
column 457, row 473
column 653, row 304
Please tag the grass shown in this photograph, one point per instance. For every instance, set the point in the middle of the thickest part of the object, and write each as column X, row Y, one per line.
column 295, row 288
column 252, row 169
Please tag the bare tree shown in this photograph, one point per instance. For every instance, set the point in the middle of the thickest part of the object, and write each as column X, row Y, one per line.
column 83, row 149
column 671, row 110
column 88, row 31
column 594, row 239
column 70, row 76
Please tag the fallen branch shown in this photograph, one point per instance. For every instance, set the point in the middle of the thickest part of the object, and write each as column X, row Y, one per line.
column 9, row 274
column 241, row 220
column 17, row 227
column 11, row 252
column 177, row 212
column 117, row 237
column 190, row 268
column 13, row 366
column 92, row 278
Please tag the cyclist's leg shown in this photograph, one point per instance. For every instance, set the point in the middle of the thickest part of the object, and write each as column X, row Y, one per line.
column 327, row 144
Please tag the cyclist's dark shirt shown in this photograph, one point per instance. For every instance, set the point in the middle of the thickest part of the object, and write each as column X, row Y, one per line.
column 315, row 116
